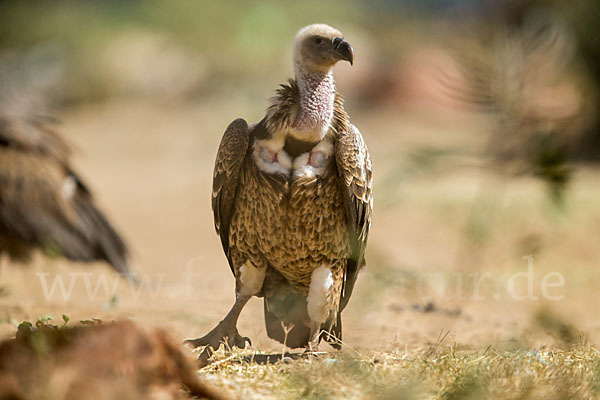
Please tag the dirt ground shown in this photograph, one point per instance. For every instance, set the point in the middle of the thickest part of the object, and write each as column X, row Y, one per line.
column 449, row 234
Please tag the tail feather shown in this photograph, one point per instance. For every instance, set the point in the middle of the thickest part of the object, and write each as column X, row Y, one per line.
column 286, row 319
column 103, row 241
column 286, row 315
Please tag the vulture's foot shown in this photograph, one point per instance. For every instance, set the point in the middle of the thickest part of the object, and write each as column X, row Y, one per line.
column 313, row 342
column 224, row 333
column 312, row 354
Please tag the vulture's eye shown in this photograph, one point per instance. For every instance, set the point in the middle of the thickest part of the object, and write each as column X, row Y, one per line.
column 318, row 40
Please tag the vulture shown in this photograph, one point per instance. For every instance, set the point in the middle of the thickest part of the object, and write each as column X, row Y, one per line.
column 292, row 202
column 44, row 204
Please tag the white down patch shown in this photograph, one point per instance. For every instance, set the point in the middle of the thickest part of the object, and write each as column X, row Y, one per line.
column 251, row 279
column 310, row 165
column 317, row 302
column 271, row 158
column 69, row 187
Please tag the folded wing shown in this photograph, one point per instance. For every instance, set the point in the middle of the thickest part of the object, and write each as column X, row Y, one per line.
column 45, row 204
column 355, row 172
column 226, row 176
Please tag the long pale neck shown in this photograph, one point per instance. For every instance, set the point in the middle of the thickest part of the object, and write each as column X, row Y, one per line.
column 317, row 96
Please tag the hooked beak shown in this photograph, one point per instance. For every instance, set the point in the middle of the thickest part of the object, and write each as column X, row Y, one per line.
column 343, row 49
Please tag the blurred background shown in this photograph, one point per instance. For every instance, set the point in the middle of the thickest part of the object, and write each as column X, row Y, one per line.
column 480, row 116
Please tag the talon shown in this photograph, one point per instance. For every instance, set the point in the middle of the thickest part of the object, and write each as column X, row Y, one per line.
column 201, row 341
column 194, row 342
column 247, row 339
column 204, row 356
column 241, row 341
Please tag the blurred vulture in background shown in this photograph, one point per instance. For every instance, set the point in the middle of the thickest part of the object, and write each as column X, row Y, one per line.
column 44, row 204
column 520, row 81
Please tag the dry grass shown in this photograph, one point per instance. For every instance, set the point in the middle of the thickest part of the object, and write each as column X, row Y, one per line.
column 41, row 358
column 432, row 373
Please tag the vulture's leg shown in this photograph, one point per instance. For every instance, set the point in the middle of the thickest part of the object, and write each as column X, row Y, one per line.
column 313, row 343
column 319, row 303
column 249, row 282
column 226, row 331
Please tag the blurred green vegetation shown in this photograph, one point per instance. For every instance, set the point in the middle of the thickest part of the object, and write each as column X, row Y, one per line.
column 228, row 42
column 235, row 41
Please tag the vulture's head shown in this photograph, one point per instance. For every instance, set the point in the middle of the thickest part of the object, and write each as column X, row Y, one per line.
column 319, row 47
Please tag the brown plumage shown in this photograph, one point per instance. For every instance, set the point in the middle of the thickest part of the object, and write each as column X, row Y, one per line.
column 292, row 200
column 44, row 204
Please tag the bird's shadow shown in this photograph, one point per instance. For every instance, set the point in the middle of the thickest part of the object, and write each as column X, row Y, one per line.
column 273, row 358
column 262, row 358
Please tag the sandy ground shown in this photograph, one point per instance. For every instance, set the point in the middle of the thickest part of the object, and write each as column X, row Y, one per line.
column 150, row 167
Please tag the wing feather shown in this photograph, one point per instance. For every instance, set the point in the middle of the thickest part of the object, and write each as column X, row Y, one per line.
column 33, row 134
column 44, row 203
column 355, row 172
column 228, row 166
